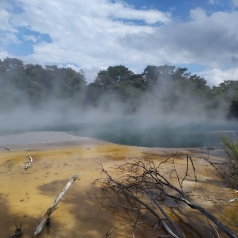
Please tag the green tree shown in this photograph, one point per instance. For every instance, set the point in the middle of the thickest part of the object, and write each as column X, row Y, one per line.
column 114, row 75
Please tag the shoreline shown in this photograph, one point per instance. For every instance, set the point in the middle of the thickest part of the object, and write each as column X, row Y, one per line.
column 52, row 140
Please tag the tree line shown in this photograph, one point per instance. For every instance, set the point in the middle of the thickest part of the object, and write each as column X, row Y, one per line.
column 170, row 88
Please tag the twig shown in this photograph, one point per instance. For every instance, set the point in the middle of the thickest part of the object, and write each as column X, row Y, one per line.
column 112, row 229
column 186, row 173
column 194, row 170
column 175, row 170
column 133, row 234
column 164, row 161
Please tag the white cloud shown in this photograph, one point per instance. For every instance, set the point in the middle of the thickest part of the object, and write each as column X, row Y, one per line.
column 94, row 34
column 5, row 25
column 211, row 41
column 86, row 33
column 216, row 76
column 91, row 72
column 4, row 54
column 198, row 14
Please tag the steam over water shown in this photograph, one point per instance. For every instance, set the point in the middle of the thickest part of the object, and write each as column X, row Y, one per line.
column 137, row 133
column 147, row 128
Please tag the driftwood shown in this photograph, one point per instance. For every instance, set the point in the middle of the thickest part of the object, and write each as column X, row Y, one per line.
column 27, row 164
column 148, row 185
column 46, row 217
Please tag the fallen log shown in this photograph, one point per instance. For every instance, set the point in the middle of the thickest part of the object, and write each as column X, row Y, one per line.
column 46, row 217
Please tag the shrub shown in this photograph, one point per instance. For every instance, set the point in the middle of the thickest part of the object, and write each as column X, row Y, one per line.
column 231, row 148
column 230, row 169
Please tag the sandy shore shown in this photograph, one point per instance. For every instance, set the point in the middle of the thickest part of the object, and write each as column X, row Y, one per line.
column 26, row 195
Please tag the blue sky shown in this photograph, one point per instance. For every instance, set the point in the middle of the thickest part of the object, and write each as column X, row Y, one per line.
column 94, row 34
column 181, row 8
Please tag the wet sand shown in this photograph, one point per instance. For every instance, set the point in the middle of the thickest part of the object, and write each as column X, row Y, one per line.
column 25, row 195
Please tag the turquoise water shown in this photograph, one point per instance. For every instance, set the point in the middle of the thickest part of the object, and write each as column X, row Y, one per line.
column 161, row 135
column 139, row 133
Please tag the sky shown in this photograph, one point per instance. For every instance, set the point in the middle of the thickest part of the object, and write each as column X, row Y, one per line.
column 201, row 35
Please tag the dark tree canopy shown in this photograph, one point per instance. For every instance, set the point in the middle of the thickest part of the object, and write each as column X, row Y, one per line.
column 35, row 84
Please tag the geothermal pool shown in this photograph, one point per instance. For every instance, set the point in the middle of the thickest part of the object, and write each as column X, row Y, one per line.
column 135, row 133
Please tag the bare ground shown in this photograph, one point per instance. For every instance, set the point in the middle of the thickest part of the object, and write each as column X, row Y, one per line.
column 25, row 195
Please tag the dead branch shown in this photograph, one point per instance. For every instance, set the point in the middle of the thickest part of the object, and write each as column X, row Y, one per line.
column 121, row 188
column 207, row 214
column 53, row 207
column 166, row 215
column 145, row 184
column 167, row 228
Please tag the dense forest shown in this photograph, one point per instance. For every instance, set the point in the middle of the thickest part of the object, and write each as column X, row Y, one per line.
column 164, row 88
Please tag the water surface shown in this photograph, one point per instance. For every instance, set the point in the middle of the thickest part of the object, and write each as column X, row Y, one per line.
column 135, row 133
